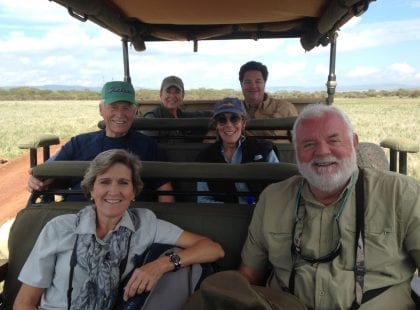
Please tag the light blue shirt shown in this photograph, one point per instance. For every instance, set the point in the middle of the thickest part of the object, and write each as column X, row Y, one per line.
column 240, row 186
column 48, row 265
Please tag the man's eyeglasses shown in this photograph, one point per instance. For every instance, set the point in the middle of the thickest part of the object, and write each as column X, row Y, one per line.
column 297, row 249
column 223, row 120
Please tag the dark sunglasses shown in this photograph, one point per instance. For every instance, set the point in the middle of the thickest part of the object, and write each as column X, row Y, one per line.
column 223, row 120
column 297, row 250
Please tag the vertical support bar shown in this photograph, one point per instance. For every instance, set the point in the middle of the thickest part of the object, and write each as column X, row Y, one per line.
column 332, row 82
column 46, row 152
column 403, row 163
column 393, row 160
column 127, row 77
column 33, row 157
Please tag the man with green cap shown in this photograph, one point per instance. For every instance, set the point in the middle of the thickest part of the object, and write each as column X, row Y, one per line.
column 118, row 109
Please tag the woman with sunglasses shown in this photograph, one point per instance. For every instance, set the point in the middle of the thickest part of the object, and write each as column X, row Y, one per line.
column 233, row 147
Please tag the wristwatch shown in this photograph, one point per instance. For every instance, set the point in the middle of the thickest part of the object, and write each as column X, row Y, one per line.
column 174, row 259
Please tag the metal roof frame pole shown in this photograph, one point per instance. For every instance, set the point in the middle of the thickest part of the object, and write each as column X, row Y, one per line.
column 332, row 82
column 127, row 77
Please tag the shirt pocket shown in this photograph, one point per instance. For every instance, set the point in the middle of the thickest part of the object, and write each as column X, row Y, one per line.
column 380, row 244
column 279, row 253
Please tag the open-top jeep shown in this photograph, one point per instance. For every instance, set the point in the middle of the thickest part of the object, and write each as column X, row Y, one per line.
column 315, row 22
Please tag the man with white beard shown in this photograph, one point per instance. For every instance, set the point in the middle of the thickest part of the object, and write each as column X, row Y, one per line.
column 337, row 237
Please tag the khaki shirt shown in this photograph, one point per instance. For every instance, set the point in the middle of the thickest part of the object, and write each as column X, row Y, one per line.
column 270, row 108
column 392, row 241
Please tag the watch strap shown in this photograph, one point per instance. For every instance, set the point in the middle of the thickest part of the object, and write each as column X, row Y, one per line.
column 174, row 259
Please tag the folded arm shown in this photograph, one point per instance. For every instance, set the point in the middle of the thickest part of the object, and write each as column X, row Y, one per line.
column 196, row 249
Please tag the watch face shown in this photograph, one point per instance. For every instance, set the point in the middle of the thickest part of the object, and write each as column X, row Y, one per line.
column 176, row 260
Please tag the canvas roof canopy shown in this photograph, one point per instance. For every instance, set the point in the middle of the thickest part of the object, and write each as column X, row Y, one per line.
column 140, row 21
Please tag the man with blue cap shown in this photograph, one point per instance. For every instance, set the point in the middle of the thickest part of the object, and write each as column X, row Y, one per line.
column 118, row 108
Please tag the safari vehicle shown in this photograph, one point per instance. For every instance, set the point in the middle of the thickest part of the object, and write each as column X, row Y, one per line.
column 139, row 22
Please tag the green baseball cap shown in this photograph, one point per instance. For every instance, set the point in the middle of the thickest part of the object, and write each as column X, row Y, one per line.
column 118, row 91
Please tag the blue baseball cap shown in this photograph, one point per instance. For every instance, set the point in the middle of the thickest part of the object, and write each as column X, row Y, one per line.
column 229, row 105
column 118, row 91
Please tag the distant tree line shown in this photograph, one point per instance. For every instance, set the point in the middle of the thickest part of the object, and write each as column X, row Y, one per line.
column 29, row 93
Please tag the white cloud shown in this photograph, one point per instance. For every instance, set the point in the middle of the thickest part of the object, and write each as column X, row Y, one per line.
column 195, row 73
column 287, row 73
column 25, row 11
column 294, row 49
column 24, row 60
column 402, row 68
column 379, row 34
column 362, row 72
column 69, row 37
column 281, row 69
column 396, row 73
column 40, row 39
column 238, row 48
column 54, row 61
column 321, row 69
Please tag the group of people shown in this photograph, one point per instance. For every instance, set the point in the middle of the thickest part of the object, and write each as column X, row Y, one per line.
column 234, row 144
column 336, row 236
column 257, row 103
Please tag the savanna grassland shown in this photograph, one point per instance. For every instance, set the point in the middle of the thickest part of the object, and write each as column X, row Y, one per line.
column 22, row 120
column 374, row 119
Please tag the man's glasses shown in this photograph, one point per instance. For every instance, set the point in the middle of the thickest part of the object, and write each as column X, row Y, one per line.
column 223, row 120
column 297, row 248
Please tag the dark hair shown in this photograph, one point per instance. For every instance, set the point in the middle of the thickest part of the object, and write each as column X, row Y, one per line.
column 253, row 66
column 103, row 161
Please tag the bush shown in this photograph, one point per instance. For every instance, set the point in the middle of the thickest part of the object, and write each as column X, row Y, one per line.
column 29, row 93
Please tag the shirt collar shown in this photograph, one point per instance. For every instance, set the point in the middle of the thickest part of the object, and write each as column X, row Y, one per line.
column 87, row 224
column 260, row 106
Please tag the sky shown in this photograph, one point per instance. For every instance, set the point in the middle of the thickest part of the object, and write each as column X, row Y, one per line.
column 41, row 44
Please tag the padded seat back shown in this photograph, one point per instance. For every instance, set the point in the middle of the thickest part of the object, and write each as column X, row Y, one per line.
column 371, row 155
column 184, row 152
column 187, row 152
column 23, row 234
column 184, row 174
column 194, row 126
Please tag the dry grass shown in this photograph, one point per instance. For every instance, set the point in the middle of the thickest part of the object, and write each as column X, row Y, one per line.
column 373, row 118
column 22, row 120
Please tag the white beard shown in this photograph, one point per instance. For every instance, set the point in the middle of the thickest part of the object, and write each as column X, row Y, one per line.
column 325, row 180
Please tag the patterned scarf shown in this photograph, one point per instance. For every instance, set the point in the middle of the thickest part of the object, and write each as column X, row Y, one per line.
column 101, row 262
